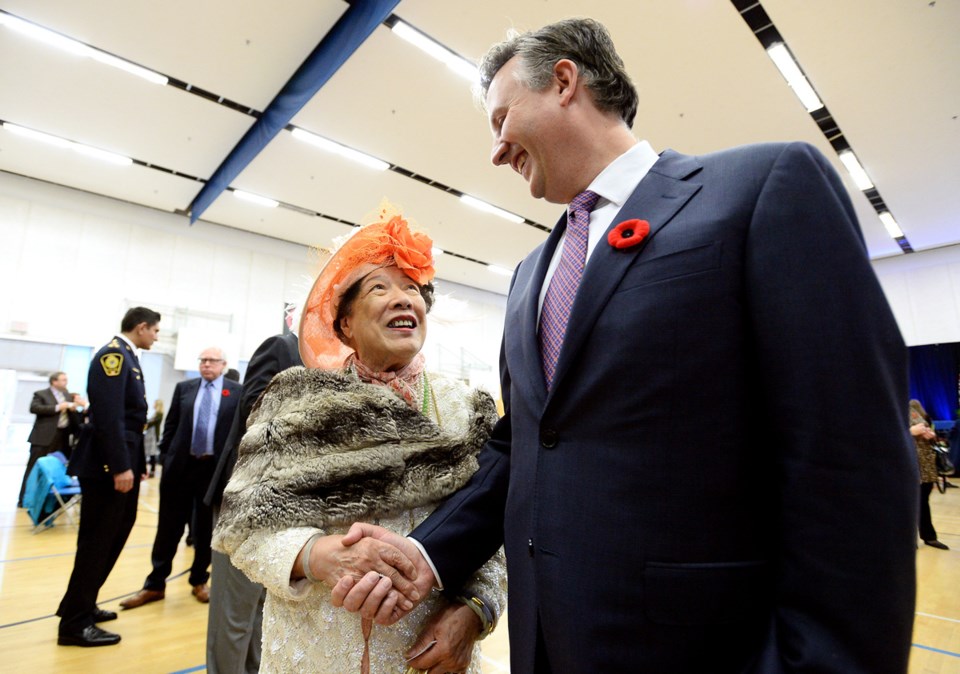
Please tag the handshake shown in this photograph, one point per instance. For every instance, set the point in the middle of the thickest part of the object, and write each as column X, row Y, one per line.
column 371, row 570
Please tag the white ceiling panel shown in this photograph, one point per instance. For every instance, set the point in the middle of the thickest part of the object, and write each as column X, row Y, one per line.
column 244, row 51
column 135, row 184
column 889, row 72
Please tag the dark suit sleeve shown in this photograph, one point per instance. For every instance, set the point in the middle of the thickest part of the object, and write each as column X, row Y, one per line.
column 39, row 405
column 845, row 480
column 272, row 356
column 172, row 421
column 266, row 362
column 467, row 529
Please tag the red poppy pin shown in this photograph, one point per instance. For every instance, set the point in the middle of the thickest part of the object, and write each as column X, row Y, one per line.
column 226, row 393
column 628, row 233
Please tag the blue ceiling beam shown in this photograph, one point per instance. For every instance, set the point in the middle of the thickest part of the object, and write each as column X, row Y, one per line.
column 351, row 30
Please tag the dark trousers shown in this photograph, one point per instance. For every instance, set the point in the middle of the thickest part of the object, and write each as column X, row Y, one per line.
column 60, row 442
column 181, row 496
column 106, row 518
column 927, row 532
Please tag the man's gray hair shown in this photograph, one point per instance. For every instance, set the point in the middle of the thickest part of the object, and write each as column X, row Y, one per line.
column 585, row 42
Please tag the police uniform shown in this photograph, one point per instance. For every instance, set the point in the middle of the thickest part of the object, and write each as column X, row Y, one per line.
column 110, row 443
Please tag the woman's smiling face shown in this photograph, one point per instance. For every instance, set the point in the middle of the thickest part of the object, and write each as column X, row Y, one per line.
column 386, row 324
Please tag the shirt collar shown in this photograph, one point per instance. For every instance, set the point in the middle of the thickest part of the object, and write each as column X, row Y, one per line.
column 619, row 179
column 136, row 351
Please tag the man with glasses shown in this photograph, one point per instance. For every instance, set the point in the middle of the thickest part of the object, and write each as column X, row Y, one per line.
column 194, row 434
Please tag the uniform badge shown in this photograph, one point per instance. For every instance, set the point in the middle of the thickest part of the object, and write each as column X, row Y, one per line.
column 112, row 364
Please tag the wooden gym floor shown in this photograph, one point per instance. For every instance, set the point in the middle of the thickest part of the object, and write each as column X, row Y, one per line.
column 170, row 635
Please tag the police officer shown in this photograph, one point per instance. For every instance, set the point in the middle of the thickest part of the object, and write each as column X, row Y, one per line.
column 108, row 461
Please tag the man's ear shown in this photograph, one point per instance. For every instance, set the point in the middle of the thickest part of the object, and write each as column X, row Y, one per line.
column 566, row 77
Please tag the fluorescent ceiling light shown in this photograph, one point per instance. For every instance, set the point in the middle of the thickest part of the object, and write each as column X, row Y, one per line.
column 893, row 229
column 794, row 76
column 499, row 270
column 255, row 199
column 860, row 177
column 102, row 155
column 37, row 135
column 437, row 252
column 342, row 150
column 456, row 63
column 64, row 144
column 127, row 66
column 71, row 46
column 484, row 206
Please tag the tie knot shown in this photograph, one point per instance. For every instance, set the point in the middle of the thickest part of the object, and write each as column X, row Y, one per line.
column 585, row 201
column 209, row 384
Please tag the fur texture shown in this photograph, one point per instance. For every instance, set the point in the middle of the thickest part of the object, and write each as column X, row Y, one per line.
column 325, row 449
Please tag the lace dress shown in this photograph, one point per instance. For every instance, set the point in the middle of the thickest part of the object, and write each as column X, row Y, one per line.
column 303, row 632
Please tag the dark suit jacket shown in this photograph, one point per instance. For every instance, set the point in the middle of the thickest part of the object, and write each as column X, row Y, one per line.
column 274, row 355
column 720, row 479
column 111, row 442
column 178, row 426
column 44, row 405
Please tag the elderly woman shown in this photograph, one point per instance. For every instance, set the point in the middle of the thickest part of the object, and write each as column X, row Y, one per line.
column 361, row 433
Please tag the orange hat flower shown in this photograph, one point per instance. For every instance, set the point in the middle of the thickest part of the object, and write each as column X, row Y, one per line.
column 381, row 244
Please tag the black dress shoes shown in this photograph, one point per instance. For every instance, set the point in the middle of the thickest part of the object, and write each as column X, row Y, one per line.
column 101, row 616
column 937, row 544
column 90, row 636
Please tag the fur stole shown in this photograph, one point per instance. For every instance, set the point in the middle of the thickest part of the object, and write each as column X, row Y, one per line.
column 324, row 449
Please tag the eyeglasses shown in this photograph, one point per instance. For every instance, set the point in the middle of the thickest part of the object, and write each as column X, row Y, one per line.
column 210, row 361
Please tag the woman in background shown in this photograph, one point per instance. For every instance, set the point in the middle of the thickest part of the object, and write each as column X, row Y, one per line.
column 151, row 438
column 923, row 434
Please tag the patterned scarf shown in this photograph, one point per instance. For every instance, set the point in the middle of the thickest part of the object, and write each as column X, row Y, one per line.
column 402, row 381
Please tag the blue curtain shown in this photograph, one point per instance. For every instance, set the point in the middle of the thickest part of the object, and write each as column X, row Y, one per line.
column 934, row 374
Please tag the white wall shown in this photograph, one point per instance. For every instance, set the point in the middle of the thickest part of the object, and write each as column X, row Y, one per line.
column 924, row 292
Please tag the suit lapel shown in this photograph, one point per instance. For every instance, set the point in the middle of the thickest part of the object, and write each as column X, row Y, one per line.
column 657, row 199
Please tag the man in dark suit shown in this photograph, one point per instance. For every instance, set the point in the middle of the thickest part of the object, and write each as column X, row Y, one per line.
column 194, row 434
column 58, row 419
column 236, row 602
column 108, row 460
column 704, row 464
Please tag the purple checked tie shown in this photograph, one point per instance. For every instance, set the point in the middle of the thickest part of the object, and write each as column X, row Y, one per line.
column 566, row 279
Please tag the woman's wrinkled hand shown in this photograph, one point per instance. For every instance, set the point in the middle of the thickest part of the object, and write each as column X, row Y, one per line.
column 454, row 629
column 390, row 570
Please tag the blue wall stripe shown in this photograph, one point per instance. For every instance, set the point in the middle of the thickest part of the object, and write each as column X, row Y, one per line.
column 350, row 31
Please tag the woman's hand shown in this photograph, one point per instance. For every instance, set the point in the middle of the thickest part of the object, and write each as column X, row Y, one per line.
column 454, row 629
column 330, row 561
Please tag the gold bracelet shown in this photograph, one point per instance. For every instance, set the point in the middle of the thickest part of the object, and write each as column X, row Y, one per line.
column 487, row 619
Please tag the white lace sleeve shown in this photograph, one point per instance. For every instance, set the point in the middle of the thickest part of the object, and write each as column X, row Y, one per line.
column 267, row 557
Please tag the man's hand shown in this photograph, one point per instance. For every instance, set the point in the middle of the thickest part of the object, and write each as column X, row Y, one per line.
column 366, row 594
column 452, row 631
column 123, row 482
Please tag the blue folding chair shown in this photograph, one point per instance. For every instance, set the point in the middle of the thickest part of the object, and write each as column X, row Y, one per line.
column 50, row 491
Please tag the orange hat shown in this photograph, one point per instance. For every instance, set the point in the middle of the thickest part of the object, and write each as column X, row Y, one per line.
column 381, row 244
